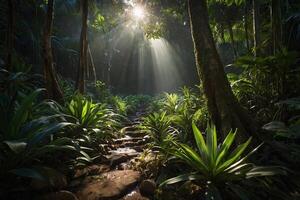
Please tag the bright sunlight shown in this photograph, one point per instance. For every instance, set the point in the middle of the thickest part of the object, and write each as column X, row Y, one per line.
column 138, row 12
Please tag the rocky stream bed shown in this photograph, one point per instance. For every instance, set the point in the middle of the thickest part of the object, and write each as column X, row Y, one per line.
column 113, row 179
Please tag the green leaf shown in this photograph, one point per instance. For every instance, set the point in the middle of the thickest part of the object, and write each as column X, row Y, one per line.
column 211, row 142
column 16, row 146
column 225, row 146
column 50, row 129
column 200, row 141
column 180, row 178
column 235, row 155
column 266, row 171
column 28, row 172
column 21, row 113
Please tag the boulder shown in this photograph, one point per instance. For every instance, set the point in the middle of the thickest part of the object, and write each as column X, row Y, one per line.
column 91, row 170
column 148, row 187
column 110, row 185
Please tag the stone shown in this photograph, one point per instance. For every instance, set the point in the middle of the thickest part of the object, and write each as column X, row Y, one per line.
column 110, row 185
column 121, row 155
column 148, row 187
column 60, row 195
column 91, row 170
column 134, row 195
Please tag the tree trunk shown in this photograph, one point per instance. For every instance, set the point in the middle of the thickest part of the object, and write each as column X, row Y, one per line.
column 223, row 106
column 276, row 25
column 246, row 25
column 256, row 26
column 11, row 25
column 232, row 39
column 80, row 85
column 52, row 86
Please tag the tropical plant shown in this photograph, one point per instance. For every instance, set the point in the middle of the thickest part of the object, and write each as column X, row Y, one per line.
column 21, row 81
column 259, row 91
column 161, row 132
column 171, row 102
column 120, row 105
column 223, row 171
column 89, row 114
column 26, row 140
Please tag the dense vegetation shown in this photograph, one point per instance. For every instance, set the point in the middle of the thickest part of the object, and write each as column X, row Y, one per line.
column 211, row 86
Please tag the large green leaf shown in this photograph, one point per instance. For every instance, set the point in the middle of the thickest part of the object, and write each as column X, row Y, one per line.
column 16, row 146
column 28, row 172
column 200, row 141
column 21, row 113
column 50, row 129
column 225, row 147
column 183, row 177
column 234, row 156
column 266, row 171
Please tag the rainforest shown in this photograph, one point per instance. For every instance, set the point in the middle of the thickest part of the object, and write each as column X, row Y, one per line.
column 149, row 99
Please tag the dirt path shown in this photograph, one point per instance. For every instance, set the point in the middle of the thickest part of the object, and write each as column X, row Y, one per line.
column 115, row 179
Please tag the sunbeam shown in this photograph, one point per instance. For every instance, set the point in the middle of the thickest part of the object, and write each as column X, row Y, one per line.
column 166, row 65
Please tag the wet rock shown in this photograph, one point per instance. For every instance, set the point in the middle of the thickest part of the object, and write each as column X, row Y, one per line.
column 91, row 170
column 121, row 155
column 61, row 195
column 118, row 159
column 148, row 187
column 127, row 139
column 134, row 195
column 109, row 185
column 124, row 166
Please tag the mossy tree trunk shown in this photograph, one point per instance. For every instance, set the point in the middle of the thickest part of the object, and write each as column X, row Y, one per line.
column 223, row 107
column 50, row 78
column 80, row 82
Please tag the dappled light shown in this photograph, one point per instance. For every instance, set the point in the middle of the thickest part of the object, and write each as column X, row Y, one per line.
column 149, row 100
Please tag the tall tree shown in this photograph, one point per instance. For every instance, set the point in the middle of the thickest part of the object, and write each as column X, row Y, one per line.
column 80, row 85
column 276, row 25
column 223, row 106
column 52, row 86
column 246, row 25
column 11, row 26
column 256, row 26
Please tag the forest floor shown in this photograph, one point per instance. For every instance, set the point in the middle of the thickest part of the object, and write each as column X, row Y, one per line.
column 114, row 178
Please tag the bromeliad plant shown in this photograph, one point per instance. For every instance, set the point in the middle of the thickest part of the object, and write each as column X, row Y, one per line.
column 25, row 139
column 91, row 117
column 221, row 169
column 160, row 130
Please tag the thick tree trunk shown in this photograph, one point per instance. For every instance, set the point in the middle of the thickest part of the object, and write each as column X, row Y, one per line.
column 276, row 25
column 80, row 83
column 256, row 26
column 223, row 106
column 52, row 86
column 11, row 26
